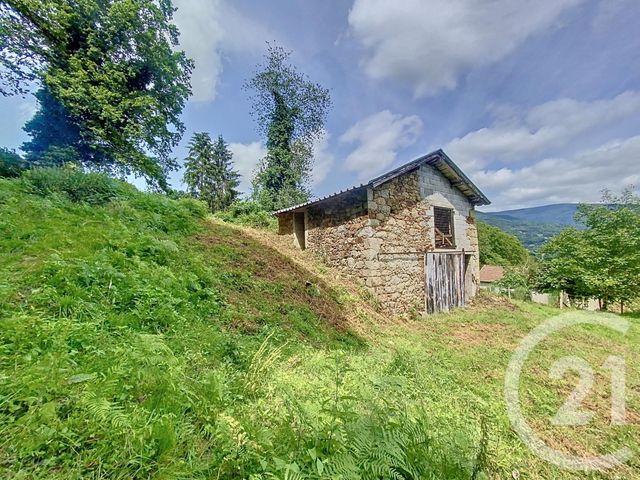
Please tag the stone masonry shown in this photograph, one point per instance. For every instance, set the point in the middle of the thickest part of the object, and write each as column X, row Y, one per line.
column 380, row 235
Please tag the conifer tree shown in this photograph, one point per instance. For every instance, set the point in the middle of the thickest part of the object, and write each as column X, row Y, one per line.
column 209, row 173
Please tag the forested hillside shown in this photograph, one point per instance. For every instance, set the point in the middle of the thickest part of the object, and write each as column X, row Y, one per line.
column 556, row 214
column 532, row 234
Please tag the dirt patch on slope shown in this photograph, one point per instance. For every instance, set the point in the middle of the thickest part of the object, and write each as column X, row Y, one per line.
column 485, row 301
column 467, row 335
column 280, row 259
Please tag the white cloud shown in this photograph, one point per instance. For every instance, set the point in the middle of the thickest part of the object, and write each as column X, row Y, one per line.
column 378, row 138
column 578, row 178
column 323, row 159
column 246, row 157
column 429, row 44
column 209, row 28
column 542, row 129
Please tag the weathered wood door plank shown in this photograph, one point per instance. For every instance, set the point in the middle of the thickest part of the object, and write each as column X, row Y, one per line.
column 444, row 281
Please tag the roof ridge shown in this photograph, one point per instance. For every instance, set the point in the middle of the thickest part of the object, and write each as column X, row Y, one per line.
column 477, row 197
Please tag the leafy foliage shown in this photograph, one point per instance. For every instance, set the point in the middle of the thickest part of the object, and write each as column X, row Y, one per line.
column 516, row 283
column 209, row 172
column 11, row 164
column 290, row 110
column 122, row 352
column 57, row 140
column 248, row 213
column 92, row 188
column 499, row 248
column 601, row 261
column 110, row 73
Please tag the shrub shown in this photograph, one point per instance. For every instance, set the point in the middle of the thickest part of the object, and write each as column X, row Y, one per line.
column 11, row 164
column 249, row 213
column 167, row 215
column 92, row 188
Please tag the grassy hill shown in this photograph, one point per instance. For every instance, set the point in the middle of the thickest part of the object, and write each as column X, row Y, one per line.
column 140, row 339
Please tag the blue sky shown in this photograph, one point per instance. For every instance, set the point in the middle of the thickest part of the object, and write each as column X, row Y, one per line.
column 538, row 102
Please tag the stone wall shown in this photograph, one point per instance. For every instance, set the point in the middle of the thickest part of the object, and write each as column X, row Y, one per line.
column 398, row 235
column 285, row 224
column 379, row 235
column 333, row 230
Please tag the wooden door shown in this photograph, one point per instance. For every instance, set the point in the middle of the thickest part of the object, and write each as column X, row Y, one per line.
column 444, row 285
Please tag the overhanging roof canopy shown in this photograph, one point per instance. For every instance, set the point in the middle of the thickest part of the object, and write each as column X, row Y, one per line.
column 438, row 159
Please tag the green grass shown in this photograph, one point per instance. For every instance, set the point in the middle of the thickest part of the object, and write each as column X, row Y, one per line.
column 140, row 340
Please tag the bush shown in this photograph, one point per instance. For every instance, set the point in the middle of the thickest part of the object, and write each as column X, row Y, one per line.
column 500, row 248
column 249, row 213
column 92, row 188
column 11, row 164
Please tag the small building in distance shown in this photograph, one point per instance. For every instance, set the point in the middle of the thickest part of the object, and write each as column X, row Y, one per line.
column 408, row 235
column 490, row 274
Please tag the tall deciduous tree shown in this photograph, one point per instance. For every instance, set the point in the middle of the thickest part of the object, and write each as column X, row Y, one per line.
column 209, row 173
column 114, row 68
column 56, row 139
column 290, row 111
column 603, row 260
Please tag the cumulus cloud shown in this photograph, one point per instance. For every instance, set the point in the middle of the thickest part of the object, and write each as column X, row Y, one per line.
column 577, row 178
column 246, row 157
column 209, row 28
column 541, row 129
column 323, row 159
column 429, row 44
column 378, row 138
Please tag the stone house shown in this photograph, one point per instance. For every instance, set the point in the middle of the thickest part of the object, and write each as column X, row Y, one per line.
column 409, row 235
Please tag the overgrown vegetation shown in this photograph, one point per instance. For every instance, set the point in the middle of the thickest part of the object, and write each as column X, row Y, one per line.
column 290, row 111
column 248, row 213
column 139, row 340
column 500, row 248
column 601, row 260
column 78, row 186
column 11, row 164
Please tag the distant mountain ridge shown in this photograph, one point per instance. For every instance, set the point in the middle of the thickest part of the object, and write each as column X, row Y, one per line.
column 558, row 214
column 533, row 226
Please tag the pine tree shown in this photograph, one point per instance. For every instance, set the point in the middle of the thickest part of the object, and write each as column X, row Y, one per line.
column 209, row 173
column 225, row 192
